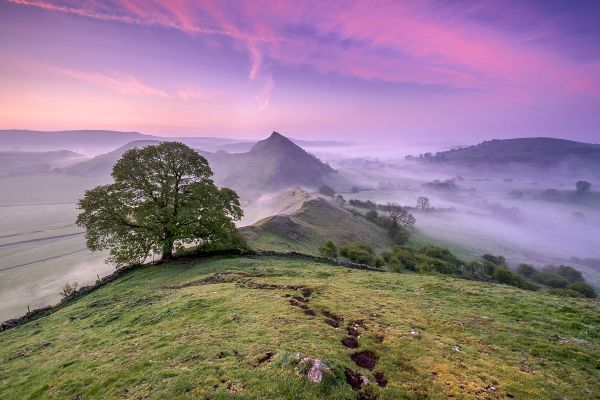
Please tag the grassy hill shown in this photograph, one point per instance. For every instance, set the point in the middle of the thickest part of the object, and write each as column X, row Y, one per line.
column 539, row 151
column 317, row 220
column 221, row 328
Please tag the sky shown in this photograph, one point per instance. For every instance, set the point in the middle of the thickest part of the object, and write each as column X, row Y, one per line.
column 397, row 71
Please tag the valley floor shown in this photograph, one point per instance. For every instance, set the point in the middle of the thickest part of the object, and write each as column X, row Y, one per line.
column 222, row 328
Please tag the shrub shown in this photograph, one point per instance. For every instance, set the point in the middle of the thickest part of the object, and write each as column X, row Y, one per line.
column 569, row 273
column 496, row 260
column 358, row 252
column 328, row 249
column 372, row 215
column 478, row 271
column 584, row 289
column 326, row 191
column 565, row 293
column 69, row 290
column 550, row 279
column 503, row 275
column 526, row 270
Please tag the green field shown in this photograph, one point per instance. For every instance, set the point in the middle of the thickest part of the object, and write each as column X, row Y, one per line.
column 221, row 328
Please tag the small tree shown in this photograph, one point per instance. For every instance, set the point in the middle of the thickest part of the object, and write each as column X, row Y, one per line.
column 423, row 203
column 326, row 191
column 584, row 289
column 328, row 249
column 372, row 215
column 399, row 216
column 582, row 186
column 162, row 198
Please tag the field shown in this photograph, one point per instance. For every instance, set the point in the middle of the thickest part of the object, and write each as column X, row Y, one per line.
column 223, row 328
column 41, row 248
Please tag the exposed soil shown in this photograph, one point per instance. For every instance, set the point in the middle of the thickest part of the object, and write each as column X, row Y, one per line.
column 353, row 379
column 352, row 331
column 302, row 299
column 310, row 312
column 381, row 379
column 306, row 291
column 365, row 359
column 298, row 304
column 333, row 323
column 350, row 342
column 264, row 359
column 332, row 316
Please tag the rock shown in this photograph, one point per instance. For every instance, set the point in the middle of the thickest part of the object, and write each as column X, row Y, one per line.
column 456, row 348
column 315, row 374
column 364, row 379
column 415, row 332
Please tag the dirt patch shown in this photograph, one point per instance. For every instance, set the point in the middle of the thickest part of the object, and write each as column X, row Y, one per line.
column 332, row 316
column 302, row 299
column 350, row 342
column 365, row 359
column 381, row 379
column 333, row 323
column 306, row 291
column 310, row 312
column 219, row 277
column 264, row 359
column 298, row 304
column 380, row 337
column 353, row 379
column 352, row 331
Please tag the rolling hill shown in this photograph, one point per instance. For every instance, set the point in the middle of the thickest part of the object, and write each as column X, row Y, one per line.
column 271, row 164
column 539, row 151
column 102, row 164
column 18, row 163
column 306, row 226
column 255, row 328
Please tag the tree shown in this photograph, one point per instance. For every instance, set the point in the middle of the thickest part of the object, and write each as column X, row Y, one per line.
column 162, row 198
column 326, row 191
column 399, row 216
column 584, row 289
column 358, row 252
column 423, row 203
column 582, row 186
column 328, row 249
column 526, row 270
column 372, row 215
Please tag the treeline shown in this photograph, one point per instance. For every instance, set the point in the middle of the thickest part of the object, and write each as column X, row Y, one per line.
column 562, row 280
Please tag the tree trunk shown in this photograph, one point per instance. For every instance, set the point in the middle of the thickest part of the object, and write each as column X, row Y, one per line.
column 167, row 250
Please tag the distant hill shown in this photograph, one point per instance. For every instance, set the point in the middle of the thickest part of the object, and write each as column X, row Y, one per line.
column 533, row 151
column 93, row 142
column 306, row 227
column 18, row 163
column 82, row 141
column 273, row 163
column 102, row 164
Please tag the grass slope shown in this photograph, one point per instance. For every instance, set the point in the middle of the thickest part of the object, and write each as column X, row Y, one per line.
column 162, row 332
column 317, row 220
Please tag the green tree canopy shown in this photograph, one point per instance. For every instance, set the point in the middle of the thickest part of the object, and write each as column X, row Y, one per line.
column 162, row 198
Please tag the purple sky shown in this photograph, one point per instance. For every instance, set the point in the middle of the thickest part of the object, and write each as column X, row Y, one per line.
column 401, row 71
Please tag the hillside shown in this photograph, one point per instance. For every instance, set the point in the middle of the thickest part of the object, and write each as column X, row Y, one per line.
column 533, row 151
column 102, row 164
column 223, row 328
column 272, row 164
column 316, row 220
column 18, row 163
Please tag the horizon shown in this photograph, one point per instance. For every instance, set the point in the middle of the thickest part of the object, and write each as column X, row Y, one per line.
column 416, row 72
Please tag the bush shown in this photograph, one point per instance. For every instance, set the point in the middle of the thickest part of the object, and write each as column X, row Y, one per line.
column 69, row 290
column 550, row 279
column 503, row 275
column 566, row 272
column 328, row 249
column 565, row 293
column 478, row 271
column 401, row 258
column 584, row 289
column 372, row 215
column 526, row 270
column 496, row 260
column 358, row 252
column 326, row 191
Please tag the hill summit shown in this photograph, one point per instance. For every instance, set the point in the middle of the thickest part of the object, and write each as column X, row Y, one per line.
column 272, row 163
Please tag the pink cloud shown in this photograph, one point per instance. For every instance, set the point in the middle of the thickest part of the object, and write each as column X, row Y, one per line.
column 410, row 41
